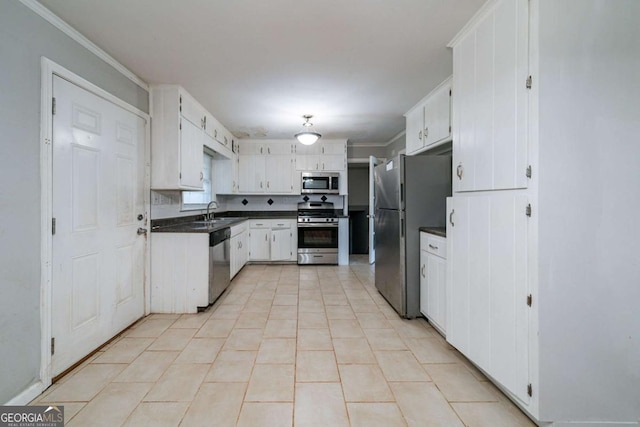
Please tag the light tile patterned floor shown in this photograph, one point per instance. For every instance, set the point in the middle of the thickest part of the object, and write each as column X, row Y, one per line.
column 286, row 345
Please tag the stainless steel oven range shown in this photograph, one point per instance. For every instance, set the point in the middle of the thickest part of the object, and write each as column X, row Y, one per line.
column 317, row 233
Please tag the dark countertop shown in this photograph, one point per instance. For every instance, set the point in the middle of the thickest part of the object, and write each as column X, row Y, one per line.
column 438, row 231
column 197, row 226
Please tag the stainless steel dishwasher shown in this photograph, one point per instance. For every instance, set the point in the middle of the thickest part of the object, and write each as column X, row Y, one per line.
column 219, row 262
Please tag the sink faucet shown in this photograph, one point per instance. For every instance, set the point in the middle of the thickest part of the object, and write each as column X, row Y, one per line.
column 210, row 215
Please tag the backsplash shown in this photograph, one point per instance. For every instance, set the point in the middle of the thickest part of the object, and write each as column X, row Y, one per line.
column 168, row 204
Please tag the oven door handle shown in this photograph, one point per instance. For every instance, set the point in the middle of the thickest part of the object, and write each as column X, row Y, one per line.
column 317, row 224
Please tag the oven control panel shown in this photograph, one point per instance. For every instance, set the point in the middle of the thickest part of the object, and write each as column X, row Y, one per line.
column 315, row 219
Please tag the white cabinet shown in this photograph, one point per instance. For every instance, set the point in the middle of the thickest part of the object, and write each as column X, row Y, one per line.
column 239, row 250
column 433, row 291
column 177, row 140
column 429, row 122
column 548, row 309
column 273, row 240
column 226, row 174
column 324, row 155
column 266, row 167
column 488, row 320
column 490, row 101
column 179, row 272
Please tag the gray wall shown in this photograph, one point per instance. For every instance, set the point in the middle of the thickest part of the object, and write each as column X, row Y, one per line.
column 24, row 38
column 589, row 239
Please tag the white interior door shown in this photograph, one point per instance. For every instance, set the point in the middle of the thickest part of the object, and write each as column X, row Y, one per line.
column 98, row 205
column 373, row 161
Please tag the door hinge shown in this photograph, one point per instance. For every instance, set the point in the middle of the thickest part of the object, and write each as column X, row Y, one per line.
column 53, row 226
column 53, row 106
column 528, row 173
column 181, row 104
column 528, row 210
column 449, row 129
column 53, row 345
column 529, row 390
column 449, row 92
column 180, row 124
column 529, row 82
column 180, row 175
column 529, row 300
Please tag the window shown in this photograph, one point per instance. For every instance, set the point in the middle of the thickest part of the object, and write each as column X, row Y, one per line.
column 200, row 199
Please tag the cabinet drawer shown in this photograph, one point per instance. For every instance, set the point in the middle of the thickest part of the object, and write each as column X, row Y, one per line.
column 433, row 244
column 281, row 223
column 260, row 223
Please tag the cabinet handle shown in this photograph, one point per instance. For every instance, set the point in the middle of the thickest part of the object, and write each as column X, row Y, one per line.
column 420, row 135
column 201, row 176
column 260, row 150
column 266, row 238
column 451, row 217
column 274, row 237
column 426, row 132
column 225, row 140
column 260, row 184
column 433, row 247
column 322, row 150
column 205, row 122
column 268, row 150
column 459, row 171
column 267, row 184
column 422, row 270
column 215, row 133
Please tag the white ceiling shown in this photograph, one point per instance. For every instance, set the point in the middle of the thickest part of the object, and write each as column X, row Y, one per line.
column 259, row 65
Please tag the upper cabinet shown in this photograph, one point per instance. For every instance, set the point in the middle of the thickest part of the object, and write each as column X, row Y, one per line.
column 266, row 167
column 180, row 129
column 490, row 99
column 177, row 139
column 324, row 155
column 429, row 122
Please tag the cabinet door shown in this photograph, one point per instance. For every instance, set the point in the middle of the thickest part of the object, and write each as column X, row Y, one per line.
column 435, row 272
column 277, row 148
column 244, row 249
column 251, row 173
column 332, row 162
column 279, row 173
column 191, row 145
column 281, row 244
column 487, row 263
column 490, row 106
column 414, row 130
column 259, row 244
column 424, row 290
column 191, row 110
column 437, row 116
column 328, row 148
column 234, row 253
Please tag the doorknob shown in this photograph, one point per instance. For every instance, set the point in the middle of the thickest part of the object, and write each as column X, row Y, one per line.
column 142, row 231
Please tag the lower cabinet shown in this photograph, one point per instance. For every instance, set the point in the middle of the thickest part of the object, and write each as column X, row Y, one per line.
column 179, row 272
column 239, row 248
column 488, row 315
column 273, row 240
column 433, row 283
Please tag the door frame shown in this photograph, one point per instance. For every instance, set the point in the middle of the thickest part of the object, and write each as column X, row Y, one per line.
column 49, row 69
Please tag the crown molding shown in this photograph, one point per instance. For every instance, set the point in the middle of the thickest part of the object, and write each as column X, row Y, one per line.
column 57, row 22
column 379, row 144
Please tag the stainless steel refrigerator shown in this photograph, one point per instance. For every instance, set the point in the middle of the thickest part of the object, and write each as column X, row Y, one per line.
column 410, row 192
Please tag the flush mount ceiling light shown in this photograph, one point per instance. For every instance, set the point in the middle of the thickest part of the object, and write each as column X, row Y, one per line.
column 307, row 136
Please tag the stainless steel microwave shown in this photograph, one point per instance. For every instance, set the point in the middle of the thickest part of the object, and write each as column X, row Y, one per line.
column 320, row 183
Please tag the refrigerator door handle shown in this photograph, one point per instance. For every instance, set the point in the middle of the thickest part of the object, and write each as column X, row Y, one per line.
column 401, row 227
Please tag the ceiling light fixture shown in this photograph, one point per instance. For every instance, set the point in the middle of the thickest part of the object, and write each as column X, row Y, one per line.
column 307, row 136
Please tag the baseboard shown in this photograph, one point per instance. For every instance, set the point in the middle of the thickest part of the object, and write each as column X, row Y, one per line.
column 28, row 395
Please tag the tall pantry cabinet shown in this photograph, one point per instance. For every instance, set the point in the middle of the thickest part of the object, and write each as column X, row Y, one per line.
column 543, row 259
